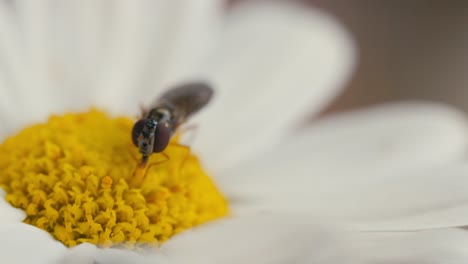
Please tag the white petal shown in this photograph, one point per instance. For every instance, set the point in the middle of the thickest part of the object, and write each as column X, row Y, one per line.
column 7, row 212
column 431, row 198
column 275, row 64
column 448, row 246
column 7, row 107
column 153, row 44
column 289, row 238
column 76, row 47
column 362, row 145
column 82, row 254
column 124, row 56
column 89, row 254
column 121, row 256
column 23, row 84
column 33, row 19
column 11, row 72
column 11, row 52
column 267, row 238
column 363, row 166
column 24, row 244
column 186, row 42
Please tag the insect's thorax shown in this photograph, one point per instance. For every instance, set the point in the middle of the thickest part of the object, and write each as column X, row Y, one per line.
column 161, row 114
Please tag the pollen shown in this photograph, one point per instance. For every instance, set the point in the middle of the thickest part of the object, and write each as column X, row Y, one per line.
column 78, row 177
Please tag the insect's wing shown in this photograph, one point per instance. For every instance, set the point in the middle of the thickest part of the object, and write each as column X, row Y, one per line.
column 186, row 99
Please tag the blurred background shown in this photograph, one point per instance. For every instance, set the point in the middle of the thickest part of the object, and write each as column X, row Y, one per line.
column 408, row 50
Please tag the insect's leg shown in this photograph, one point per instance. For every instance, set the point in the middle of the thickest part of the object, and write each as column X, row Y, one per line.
column 166, row 156
column 186, row 155
column 142, row 170
column 166, row 159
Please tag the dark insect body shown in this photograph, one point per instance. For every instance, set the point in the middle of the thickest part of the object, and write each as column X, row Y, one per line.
column 152, row 133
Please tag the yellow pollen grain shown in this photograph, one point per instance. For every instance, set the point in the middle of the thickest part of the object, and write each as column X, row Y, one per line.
column 77, row 177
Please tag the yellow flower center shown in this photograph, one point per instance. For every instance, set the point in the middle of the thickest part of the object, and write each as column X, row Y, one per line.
column 78, row 178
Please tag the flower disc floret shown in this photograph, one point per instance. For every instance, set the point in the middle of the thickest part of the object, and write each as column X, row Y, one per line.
column 78, row 177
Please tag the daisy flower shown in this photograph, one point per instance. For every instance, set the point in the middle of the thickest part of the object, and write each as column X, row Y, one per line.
column 252, row 189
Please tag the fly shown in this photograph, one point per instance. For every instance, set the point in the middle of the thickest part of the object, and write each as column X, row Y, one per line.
column 152, row 133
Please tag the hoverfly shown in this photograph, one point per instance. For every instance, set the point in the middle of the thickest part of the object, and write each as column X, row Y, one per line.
column 152, row 133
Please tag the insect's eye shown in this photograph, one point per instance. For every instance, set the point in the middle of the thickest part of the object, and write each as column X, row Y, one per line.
column 137, row 128
column 162, row 137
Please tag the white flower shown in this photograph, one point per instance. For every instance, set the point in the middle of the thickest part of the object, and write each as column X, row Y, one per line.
column 379, row 169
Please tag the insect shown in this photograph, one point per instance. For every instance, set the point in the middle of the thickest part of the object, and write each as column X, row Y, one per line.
column 152, row 133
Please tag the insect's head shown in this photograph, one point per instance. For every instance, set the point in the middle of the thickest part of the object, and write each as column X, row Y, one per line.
column 150, row 136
